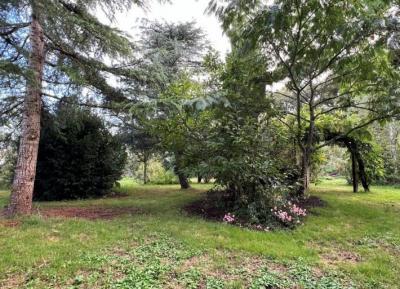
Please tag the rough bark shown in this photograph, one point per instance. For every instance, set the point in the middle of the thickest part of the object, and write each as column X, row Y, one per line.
column 24, row 178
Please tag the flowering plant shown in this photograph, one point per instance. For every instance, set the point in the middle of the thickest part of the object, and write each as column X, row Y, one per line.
column 289, row 214
column 298, row 211
column 229, row 218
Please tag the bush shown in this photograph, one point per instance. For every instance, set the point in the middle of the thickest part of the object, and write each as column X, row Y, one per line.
column 78, row 157
column 254, row 171
column 161, row 176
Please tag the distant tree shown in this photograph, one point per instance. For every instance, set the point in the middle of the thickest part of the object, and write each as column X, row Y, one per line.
column 141, row 143
column 170, row 49
column 178, row 126
column 387, row 135
column 171, row 52
column 49, row 48
column 7, row 164
column 78, row 156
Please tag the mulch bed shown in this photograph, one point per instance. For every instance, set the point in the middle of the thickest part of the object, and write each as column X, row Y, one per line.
column 207, row 211
column 311, row 202
column 204, row 209
column 89, row 213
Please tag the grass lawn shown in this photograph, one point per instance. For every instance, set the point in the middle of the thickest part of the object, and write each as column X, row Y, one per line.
column 353, row 242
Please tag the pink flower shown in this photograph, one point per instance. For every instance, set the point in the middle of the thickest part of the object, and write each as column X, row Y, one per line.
column 298, row 211
column 229, row 218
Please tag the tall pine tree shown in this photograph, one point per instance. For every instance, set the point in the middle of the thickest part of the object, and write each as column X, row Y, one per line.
column 54, row 48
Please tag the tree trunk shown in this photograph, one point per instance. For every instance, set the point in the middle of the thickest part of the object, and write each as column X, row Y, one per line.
column 25, row 171
column 183, row 180
column 354, row 174
column 178, row 171
column 305, row 171
column 362, row 172
column 307, row 146
column 199, row 178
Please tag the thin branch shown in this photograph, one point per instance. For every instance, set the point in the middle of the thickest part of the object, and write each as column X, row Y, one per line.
column 86, row 104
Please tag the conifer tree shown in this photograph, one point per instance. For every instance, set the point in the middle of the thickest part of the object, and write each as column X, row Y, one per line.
column 51, row 48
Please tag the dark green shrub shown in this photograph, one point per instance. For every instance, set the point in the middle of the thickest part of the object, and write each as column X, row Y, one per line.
column 78, row 156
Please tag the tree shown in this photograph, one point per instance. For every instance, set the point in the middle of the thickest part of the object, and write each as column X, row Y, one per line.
column 246, row 148
column 172, row 52
column 387, row 135
column 78, row 157
column 60, row 44
column 141, row 143
column 329, row 55
column 176, row 124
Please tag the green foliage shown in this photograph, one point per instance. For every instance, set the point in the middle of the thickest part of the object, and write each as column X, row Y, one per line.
column 387, row 136
column 77, row 46
column 8, row 159
column 161, row 176
column 247, row 149
column 319, row 61
column 214, row 283
column 78, row 156
column 299, row 275
column 372, row 155
column 335, row 161
column 191, row 279
column 157, row 173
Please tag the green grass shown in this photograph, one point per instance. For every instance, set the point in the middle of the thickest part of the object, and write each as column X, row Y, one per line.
column 355, row 240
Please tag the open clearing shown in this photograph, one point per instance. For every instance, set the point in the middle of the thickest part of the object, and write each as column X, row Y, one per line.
column 352, row 242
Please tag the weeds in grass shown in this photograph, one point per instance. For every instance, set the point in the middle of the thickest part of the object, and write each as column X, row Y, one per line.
column 156, row 262
column 300, row 275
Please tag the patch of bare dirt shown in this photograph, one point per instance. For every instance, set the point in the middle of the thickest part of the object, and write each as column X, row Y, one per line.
column 341, row 256
column 12, row 282
column 89, row 213
column 9, row 224
column 204, row 209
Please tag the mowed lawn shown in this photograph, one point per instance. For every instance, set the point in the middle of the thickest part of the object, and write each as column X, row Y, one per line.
column 352, row 242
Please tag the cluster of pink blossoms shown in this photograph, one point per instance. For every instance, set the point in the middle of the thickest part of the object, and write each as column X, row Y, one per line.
column 289, row 215
column 298, row 211
column 229, row 218
column 283, row 216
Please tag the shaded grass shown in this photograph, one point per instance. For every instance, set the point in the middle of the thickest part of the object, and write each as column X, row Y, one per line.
column 3, row 198
column 364, row 224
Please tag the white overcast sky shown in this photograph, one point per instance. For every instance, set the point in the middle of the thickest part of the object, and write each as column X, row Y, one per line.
column 177, row 11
